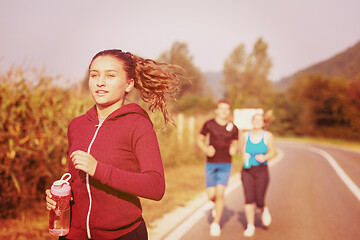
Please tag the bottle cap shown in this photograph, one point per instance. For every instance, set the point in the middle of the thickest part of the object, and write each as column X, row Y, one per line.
column 62, row 187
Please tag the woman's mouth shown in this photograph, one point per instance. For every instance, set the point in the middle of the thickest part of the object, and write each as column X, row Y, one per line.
column 101, row 92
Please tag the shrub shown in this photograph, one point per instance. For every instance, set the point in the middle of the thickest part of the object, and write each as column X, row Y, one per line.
column 33, row 141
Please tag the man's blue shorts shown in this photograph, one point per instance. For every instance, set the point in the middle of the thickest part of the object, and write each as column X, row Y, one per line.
column 217, row 174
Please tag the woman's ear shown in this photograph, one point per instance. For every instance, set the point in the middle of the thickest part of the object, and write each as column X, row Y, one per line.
column 130, row 85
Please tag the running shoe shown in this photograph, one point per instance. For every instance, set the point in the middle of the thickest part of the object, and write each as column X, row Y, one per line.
column 215, row 230
column 250, row 230
column 266, row 217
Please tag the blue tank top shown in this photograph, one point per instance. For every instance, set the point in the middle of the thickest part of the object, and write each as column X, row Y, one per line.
column 256, row 148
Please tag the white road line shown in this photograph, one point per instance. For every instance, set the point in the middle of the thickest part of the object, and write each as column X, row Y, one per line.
column 234, row 183
column 340, row 172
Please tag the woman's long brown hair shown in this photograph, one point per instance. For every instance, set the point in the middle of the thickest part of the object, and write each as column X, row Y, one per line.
column 154, row 81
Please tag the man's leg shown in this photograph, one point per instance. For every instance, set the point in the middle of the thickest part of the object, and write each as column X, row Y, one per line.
column 210, row 180
column 222, row 178
column 219, row 203
column 210, row 174
column 211, row 191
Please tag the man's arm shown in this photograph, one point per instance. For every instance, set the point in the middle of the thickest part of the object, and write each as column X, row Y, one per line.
column 207, row 149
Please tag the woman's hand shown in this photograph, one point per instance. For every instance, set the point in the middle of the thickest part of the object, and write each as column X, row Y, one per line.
column 260, row 157
column 210, row 151
column 232, row 150
column 247, row 155
column 50, row 204
column 84, row 161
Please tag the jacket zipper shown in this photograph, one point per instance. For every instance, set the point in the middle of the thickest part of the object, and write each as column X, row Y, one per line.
column 88, row 185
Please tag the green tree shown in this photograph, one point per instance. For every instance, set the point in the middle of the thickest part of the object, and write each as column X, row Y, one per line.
column 324, row 106
column 194, row 97
column 246, row 76
column 353, row 108
column 234, row 75
column 286, row 114
column 193, row 81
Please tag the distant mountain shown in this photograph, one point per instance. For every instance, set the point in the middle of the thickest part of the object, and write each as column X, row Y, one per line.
column 213, row 80
column 345, row 64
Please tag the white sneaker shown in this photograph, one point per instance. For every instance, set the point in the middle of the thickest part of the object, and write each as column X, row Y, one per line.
column 215, row 230
column 266, row 217
column 250, row 230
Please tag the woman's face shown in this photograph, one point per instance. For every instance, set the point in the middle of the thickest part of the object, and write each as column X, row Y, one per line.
column 108, row 82
column 258, row 121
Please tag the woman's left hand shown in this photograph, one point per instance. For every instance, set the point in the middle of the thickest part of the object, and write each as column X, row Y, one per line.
column 84, row 161
column 260, row 157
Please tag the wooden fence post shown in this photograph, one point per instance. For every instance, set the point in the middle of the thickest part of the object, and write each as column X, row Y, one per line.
column 180, row 126
column 191, row 130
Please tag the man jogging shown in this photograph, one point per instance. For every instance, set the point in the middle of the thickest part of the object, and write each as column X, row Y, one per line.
column 218, row 139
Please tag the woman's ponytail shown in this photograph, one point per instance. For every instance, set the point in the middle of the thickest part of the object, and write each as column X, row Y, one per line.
column 156, row 82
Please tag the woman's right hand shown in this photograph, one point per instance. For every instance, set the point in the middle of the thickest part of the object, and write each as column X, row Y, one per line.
column 50, row 204
column 247, row 156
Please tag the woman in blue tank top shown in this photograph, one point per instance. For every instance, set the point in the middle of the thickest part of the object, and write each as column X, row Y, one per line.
column 257, row 148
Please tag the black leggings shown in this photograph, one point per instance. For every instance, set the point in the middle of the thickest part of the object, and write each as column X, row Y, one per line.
column 255, row 182
column 140, row 233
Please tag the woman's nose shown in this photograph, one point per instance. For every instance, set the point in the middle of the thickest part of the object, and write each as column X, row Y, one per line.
column 101, row 82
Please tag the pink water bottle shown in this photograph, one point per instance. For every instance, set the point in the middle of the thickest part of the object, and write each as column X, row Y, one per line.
column 59, row 218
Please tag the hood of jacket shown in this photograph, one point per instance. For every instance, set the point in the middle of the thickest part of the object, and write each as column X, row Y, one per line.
column 131, row 108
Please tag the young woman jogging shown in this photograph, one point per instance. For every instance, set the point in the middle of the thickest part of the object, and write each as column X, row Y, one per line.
column 257, row 147
column 114, row 156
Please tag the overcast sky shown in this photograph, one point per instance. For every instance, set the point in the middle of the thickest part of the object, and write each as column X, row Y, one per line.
column 61, row 36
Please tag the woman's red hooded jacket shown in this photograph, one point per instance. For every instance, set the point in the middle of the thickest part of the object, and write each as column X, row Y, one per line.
column 106, row 206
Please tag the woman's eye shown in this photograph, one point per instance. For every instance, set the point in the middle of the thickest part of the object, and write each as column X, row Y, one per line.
column 93, row 75
column 111, row 76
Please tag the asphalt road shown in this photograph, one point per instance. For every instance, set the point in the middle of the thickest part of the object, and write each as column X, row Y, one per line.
column 307, row 199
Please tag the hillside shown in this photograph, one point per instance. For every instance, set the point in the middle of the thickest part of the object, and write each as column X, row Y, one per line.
column 345, row 64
